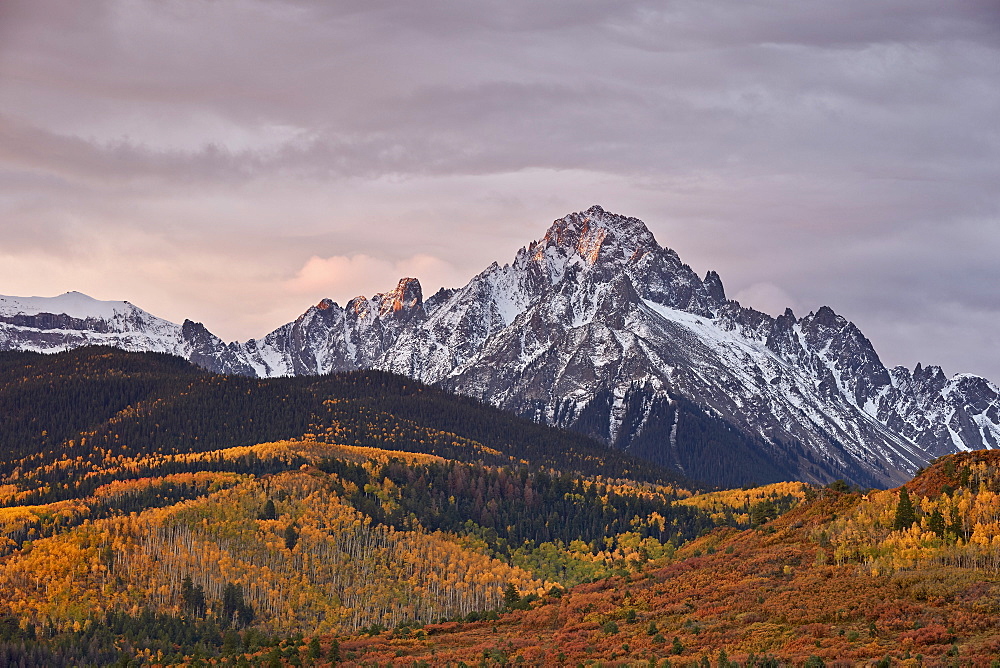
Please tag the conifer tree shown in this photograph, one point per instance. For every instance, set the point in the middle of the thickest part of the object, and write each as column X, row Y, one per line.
column 291, row 536
column 510, row 596
column 314, row 649
column 269, row 512
column 936, row 523
column 905, row 515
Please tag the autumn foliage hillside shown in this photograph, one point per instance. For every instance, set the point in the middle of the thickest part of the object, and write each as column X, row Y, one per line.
column 155, row 514
column 148, row 507
column 839, row 580
column 159, row 555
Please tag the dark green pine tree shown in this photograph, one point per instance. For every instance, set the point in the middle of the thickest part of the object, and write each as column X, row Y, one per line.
column 314, row 648
column 269, row 512
column 761, row 512
column 510, row 596
column 957, row 526
column 193, row 597
column 905, row 514
column 936, row 523
column 333, row 656
column 235, row 609
column 291, row 536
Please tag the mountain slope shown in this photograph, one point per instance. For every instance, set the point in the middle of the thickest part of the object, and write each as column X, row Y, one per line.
column 830, row 582
column 140, row 516
column 74, row 320
column 65, row 418
column 598, row 328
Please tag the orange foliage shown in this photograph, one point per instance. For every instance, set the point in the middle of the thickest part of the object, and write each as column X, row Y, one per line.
column 778, row 590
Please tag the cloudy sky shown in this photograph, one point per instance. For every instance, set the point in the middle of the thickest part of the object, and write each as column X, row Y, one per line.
column 234, row 161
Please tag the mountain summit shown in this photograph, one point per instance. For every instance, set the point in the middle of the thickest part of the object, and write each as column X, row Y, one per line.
column 596, row 236
column 596, row 327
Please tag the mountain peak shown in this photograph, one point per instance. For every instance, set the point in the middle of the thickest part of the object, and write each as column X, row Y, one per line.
column 596, row 218
column 73, row 304
column 597, row 327
column 596, row 235
column 713, row 283
column 406, row 297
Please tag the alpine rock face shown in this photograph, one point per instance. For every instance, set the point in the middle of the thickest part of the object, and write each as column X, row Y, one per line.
column 596, row 327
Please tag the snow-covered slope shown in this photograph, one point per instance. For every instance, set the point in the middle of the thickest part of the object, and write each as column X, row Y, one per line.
column 597, row 327
column 73, row 320
column 50, row 324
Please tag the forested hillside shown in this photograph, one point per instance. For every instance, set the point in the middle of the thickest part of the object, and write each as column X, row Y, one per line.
column 156, row 514
column 86, row 407
column 887, row 578
column 308, row 537
column 151, row 509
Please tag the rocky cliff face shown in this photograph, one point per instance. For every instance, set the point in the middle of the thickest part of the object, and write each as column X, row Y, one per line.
column 597, row 327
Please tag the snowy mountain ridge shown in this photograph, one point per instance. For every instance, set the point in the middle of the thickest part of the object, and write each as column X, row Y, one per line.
column 598, row 328
column 48, row 324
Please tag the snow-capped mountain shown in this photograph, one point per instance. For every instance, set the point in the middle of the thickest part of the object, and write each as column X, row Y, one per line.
column 73, row 319
column 597, row 327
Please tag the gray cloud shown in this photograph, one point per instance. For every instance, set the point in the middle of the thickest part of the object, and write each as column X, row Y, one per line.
column 193, row 156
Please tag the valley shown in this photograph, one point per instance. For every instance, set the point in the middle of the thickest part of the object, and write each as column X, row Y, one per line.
column 368, row 519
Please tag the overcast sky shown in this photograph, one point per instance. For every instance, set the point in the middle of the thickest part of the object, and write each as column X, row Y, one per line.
column 234, row 161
